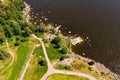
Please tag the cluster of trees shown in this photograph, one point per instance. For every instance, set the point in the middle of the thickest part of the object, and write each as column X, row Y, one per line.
column 12, row 21
column 4, row 55
column 58, row 45
column 56, row 41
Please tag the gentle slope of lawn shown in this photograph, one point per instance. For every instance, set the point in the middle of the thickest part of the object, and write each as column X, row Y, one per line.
column 35, row 71
column 53, row 53
column 84, row 67
column 4, row 64
column 64, row 77
column 22, row 53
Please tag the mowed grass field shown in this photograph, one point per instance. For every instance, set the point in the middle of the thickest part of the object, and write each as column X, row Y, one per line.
column 4, row 63
column 22, row 52
column 36, row 71
column 64, row 77
column 53, row 53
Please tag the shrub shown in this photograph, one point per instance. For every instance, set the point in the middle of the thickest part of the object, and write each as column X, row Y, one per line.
column 68, row 67
column 65, row 67
column 1, row 37
column 63, row 50
column 24, row 39
column 2, row 21
column 56, row 41
column 42, row 62
column 17, row 43
column 28, row 31
column 89, row 68
column 91, row 63
column 16, row 27
column 4, row 55
column 8, row 31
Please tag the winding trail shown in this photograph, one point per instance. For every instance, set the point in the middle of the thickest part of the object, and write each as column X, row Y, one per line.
column 52, row 70
column 12, row 55
column 27, row 63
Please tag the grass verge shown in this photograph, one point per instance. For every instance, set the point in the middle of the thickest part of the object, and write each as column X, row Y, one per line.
column 35, row 71
column 53, row 53
column 22, row 52
column 64, row 77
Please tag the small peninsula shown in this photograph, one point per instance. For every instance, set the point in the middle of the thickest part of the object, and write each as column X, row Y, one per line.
column 30, row 51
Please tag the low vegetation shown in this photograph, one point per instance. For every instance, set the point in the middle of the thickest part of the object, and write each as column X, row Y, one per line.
column 64, row 77
column 15, row 28
column 53, row 53
column 80, row 66
column 22, row 52
column 4, row 55
column 36, row 69
column 63, row 67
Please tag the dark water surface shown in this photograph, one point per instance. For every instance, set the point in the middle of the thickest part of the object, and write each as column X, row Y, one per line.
column 97, row 19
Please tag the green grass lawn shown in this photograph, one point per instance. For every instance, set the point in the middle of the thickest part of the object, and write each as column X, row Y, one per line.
column 63, row 67
column 53, row 53
column 4, row 63
column 64, row 77
column 22, row 53
column 35, row 71
column 83, row 67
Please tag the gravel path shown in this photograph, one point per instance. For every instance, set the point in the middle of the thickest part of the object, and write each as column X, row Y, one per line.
column 52, row 70
column 12, row 55
column 26, row 65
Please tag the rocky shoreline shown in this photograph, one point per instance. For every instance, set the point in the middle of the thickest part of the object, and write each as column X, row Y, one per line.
column 26, row 11
column 100, row 68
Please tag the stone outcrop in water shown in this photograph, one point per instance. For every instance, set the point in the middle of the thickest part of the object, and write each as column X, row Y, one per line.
column 76, row 40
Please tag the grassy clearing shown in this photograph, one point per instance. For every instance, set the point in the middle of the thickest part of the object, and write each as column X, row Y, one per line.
column 22, row 53
column 78, row 65
column 53, row 53
column 64, row 77
column 6, row 74
column 81, row 66
column 35, row 71
column 33, row 41
column 41, row 34
column 5, row 63
column 63, row 67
